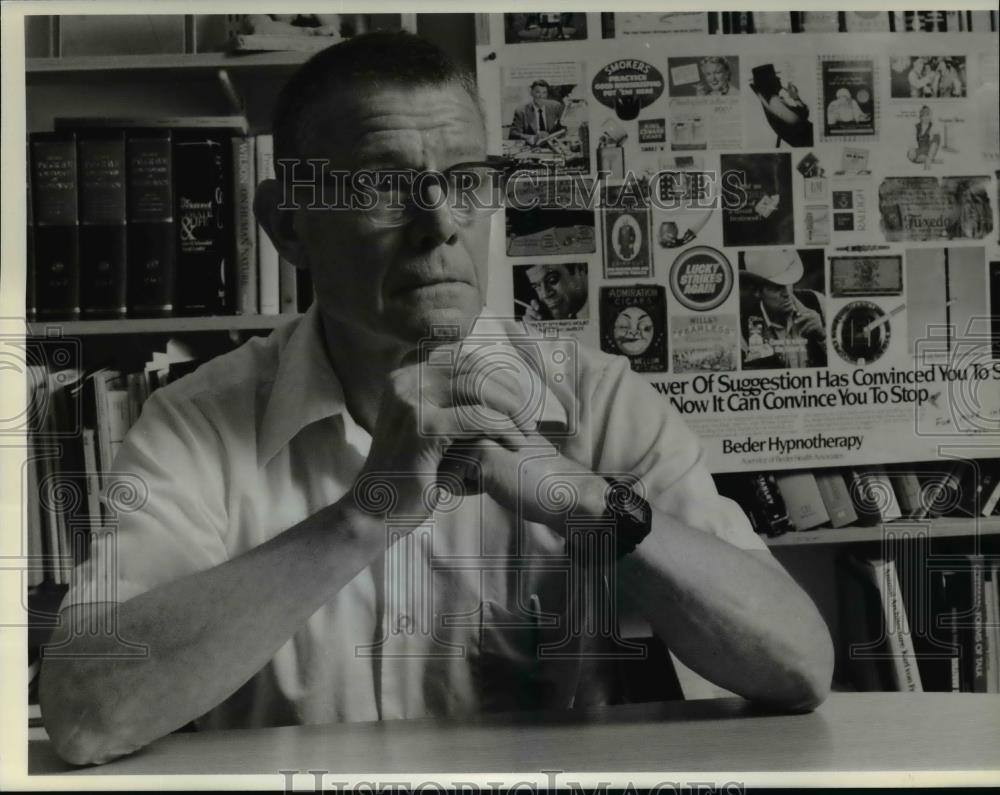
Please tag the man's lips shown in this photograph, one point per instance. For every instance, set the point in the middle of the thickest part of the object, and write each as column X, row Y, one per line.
column 411, row 285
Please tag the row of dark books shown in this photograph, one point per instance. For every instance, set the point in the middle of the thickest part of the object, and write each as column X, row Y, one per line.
column 77, row 422
column 915, row 622
column 727, row 22
column 801, row 500
column 152, row 218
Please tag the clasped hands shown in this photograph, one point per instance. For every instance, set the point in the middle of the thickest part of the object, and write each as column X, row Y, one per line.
column 459, row 419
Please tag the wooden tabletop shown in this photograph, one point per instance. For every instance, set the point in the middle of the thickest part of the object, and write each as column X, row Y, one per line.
column 850, row 731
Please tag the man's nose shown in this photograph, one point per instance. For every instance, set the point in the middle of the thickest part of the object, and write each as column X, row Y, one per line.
column 433, row 223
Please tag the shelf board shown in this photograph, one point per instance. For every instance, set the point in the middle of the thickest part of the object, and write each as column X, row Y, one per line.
column 159, row 325
column 944, row 527
column 163, row 61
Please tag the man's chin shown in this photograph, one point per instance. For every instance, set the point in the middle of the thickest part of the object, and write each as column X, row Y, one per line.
column 416, row 322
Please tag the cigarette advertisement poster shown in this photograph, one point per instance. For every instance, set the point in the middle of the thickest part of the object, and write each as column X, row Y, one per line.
column 793, row 238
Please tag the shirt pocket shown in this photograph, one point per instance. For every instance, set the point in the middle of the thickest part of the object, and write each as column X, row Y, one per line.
column 510, row 674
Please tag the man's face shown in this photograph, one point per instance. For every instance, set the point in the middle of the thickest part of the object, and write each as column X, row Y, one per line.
column 538, row 93
column 776, row 300
column 562, row 292
column 395, row 282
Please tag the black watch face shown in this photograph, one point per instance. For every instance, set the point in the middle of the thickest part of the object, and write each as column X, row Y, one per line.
column 861, row 333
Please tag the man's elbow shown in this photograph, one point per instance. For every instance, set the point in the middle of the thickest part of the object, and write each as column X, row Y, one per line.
column 808, row 678
column 80, row 730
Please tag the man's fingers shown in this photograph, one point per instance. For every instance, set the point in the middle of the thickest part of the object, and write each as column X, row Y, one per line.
column 500, row 392
column 454, row 423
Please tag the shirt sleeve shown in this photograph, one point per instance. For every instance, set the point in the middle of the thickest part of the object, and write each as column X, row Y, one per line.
column 166, row 501
column 641, row 433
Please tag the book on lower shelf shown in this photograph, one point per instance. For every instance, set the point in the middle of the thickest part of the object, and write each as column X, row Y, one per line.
column 929, row 628
column 79, row 420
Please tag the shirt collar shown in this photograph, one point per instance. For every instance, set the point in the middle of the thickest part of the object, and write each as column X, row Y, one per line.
column 306, row 389
column 767, row 319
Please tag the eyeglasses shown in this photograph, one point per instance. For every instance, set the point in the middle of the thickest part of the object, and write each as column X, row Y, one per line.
column 393, row 197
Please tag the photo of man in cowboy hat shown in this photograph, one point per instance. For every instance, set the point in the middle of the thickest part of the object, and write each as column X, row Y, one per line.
column 782, row 320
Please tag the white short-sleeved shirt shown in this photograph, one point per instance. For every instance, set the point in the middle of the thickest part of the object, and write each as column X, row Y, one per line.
column 447, row 621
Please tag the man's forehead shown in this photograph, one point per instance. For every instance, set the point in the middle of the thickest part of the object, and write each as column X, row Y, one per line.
column 398, row 123
column 540, row 271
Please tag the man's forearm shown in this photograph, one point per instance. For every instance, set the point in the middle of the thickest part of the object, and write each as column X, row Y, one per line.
column 206, row 635
column 731, row 615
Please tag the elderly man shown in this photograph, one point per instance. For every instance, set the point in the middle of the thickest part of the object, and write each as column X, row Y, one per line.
column 309, row 551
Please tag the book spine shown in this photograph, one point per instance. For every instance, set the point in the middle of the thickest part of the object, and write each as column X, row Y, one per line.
column 56, row 222
column 991, row 501
column 836, row 498
column 930, row 612
column 942, row 490
column 288, row 287
column 30, row 304
column 907, row 488
column 102, row 224
column 977, row 486
column 267, row 254
column 151, row 236
column 36, row 547
column 859, row 584
column 244, row 225
column 93, row 474
column 802, row 499
column 902, row 655
column 873, row 496
column 978, row 677
column 119, row 418
column 959, row 626
column 769, row 509
column 202, row 185
column 102, row 424
column 991, row 630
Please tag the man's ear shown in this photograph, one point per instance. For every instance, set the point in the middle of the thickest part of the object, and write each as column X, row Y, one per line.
column 279, row 224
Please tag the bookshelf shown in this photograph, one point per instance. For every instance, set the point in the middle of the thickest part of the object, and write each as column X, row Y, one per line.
column 184, row 62
column 164, row 325
column 943, row 527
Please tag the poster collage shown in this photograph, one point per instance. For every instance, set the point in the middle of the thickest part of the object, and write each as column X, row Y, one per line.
column 722, row 209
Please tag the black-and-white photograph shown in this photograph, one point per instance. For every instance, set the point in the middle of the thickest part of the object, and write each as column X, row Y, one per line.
column 928, row 77
column 351, row 438
column 551, row 291
column 549, row 217
column 848, row 98
column 704, row 76
column 782, row 308
column 545, row 121
column 531, row 28
column 765, row 216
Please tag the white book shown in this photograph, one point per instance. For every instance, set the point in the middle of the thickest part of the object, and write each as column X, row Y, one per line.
column 903, row 657
column 269, row 290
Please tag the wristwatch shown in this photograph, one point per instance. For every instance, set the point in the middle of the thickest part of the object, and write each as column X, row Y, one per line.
column 631, row 514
